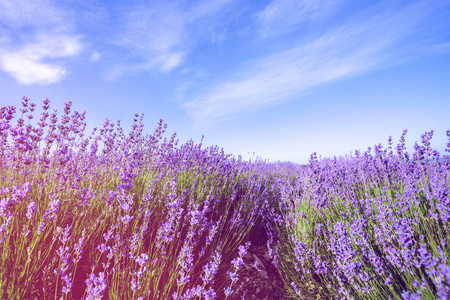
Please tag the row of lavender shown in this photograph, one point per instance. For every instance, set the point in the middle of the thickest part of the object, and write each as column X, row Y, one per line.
column 117, row 216
column 135, row 216
column 370, row 226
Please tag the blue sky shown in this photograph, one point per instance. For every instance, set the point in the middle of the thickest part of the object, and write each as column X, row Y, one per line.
column 278, row 79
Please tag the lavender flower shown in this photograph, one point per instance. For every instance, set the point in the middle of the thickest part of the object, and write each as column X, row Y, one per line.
column 95, row 286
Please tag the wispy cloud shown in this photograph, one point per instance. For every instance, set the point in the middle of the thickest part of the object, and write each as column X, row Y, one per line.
column 367, row 42
column 32, row 48
column 206, row 8
column 96, row 56
column 156, row 36
column 281, row 16
column 20, row 14
column 152, row 36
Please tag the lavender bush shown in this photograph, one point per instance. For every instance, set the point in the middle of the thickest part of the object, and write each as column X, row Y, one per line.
column 136, row 216
column 370, row 226
column 117, row 216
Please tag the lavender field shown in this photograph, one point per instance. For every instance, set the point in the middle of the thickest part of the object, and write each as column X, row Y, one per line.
column 115, row 215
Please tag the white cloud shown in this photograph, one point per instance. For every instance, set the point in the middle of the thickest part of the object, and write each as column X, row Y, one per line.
column 362, row 45
column 28, row 71
column 29, row 64
column 32, row 49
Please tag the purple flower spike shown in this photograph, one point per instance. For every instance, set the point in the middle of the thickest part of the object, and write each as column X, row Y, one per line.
column 95, row 286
